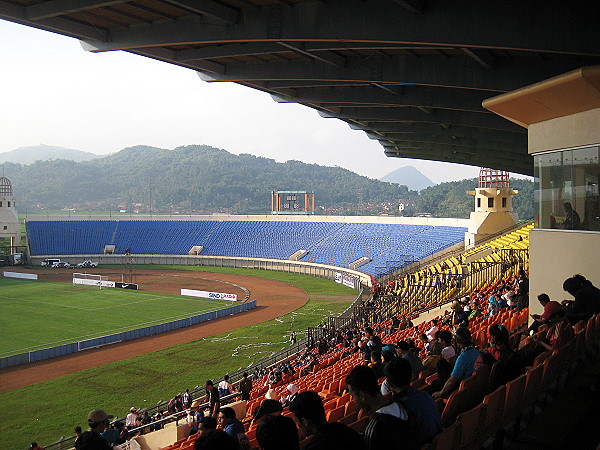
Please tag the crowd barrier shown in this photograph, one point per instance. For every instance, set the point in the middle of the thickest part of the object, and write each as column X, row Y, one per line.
column 51, row 352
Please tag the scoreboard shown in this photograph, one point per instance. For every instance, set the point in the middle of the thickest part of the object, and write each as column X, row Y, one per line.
column 292, row 202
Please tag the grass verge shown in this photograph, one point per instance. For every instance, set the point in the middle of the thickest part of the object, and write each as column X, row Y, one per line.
column 45, row 411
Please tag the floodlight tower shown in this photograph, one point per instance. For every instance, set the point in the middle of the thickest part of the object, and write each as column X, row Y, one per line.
column 493, row 206
column 9, row 221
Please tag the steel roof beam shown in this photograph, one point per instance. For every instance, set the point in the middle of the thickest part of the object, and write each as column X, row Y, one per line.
column 407, row 129
column 460, row 73
column 407, row 114
column 444, row 24
column 422, row 96
column 56, row 8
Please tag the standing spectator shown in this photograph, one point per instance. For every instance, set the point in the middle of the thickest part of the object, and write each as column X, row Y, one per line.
column 522, row 290
column 186, row 399
column 389, row 427
column 245, row 386
column 276, row 433
column 225, row 387
column 91, row 439
column 233, row 426
column 309, row 415
column 293, row 337
column 131, row 419
column 212, row 397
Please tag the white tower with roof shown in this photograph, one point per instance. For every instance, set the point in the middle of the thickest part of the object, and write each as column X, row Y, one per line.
column 493, row 206
column 9, row 221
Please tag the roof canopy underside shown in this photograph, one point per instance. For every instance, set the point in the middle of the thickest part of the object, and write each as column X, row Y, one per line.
column 411, row 73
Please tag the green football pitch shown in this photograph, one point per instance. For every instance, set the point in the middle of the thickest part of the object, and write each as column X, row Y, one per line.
column 39, row 314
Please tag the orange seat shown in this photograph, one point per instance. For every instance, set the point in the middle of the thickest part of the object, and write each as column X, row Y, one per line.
column 448, row 439
column 360, row 424
column 514, row 396
column 336, row 414
column 533, row 384
column 472, row 424
column 495, row 407
column 456, row 404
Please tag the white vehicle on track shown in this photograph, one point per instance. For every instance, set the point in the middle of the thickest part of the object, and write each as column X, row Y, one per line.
column 87, row 263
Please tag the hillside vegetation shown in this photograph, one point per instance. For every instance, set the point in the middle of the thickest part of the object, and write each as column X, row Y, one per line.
column 203, row 179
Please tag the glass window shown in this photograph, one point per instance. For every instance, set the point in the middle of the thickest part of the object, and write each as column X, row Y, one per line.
column 478, row 202
column 567, row 195
column 504, row 202
column 490, row 202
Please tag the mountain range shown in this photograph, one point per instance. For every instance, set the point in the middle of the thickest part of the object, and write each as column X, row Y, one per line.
column 408, row 176
column 199, row 179
column 42, row 152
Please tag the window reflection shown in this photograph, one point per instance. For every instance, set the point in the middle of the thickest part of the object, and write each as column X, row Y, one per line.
column 567, row 195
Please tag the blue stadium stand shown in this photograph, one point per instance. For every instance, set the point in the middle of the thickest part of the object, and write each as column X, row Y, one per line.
column 389, row 246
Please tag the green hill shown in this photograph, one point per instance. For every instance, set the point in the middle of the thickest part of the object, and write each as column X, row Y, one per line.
column 203, row 179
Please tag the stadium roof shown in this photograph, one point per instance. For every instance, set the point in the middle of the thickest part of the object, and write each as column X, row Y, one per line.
column 410, row 73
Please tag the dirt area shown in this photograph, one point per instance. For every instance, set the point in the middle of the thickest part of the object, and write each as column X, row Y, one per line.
column 274, row 299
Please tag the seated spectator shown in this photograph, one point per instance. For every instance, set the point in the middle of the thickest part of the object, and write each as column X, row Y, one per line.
column 550, row 307
column 475, row 310
column 586, row 301
column 432, row 330
column 460, row 319
column 92, row 439
column 216, row 440
column 291, row 391
column 445, row 339
column 464, row 365
column 205, row 424
column 433, row 356
column 112, row 435
column 377, row 364
column 35, row 446
column 493, row 305
column 309, row 415
column 560, row 333
column 194, row 416
column 415, row 363
column 509, row 297
column 225, row 387
column 267, row 407
column 276, row 433
column 509, row 364
column 389, row 427
column 233, row 426
column 425, row 419
column 424, row 341
column 131, row 419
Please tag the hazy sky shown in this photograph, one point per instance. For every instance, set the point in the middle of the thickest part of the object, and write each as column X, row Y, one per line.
column 55, row 93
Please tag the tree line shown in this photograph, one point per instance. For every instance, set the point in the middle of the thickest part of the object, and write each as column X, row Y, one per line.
column 204, row 179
